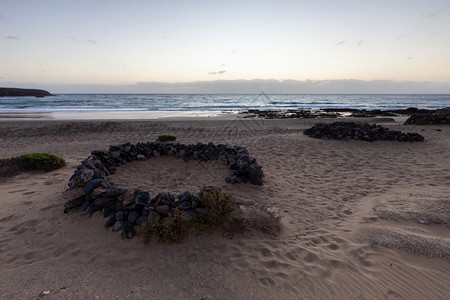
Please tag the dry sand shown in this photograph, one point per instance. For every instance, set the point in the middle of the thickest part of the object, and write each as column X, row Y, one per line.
column 361, row 220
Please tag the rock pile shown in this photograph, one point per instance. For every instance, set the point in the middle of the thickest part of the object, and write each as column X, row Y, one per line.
column 428, row 118
column 90, row 190
column 104, row 162
column 360, row 131
column 126, row 208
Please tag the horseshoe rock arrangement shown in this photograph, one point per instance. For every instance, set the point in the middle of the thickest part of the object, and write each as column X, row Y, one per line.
column 360, row 131
column 90, row 189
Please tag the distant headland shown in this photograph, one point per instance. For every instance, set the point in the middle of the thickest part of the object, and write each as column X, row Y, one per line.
column 17, row 92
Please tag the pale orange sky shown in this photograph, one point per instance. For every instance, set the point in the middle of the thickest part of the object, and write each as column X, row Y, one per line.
column 123, row 42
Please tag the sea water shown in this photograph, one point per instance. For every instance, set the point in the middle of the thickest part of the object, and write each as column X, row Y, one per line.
column 217, row 102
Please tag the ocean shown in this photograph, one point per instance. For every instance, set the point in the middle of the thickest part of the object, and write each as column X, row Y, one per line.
column 221, row 102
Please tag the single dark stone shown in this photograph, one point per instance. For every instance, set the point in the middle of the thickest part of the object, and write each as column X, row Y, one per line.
column 88, row 163
column 163, row 199
column 233, row 164
column 91, row 209
column 109, row 210
column 185, row 196
column 86, row 175
column 128, row 231
column 98, row 153
column 91, row 185
column 114, row 154
column 117, row 226
column 235, row 179
column 120, row 215
column 132, row 217
column 163, row 209
column 142, row 199
column 185, row 205
column 114, row 148
column 83, row 207
column 119, row 205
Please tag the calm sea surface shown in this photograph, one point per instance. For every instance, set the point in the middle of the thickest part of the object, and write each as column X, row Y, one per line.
column 151, row 102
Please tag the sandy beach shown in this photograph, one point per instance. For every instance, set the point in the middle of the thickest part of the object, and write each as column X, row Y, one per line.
column 360, row 220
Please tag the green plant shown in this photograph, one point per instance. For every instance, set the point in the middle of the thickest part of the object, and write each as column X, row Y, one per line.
column 30, row 162
column 166, row 138
column 219, row 208
column 40, row 161
column 171, row 229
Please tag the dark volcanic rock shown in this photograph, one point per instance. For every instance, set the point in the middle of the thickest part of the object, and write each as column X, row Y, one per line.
column 128, row 231
column 16, row 92
column 92, row 190
column 440, row 117
column 360, row 131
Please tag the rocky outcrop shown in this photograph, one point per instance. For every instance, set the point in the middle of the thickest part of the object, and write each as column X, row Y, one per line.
column 440, row 116
column 16, row 92
column 360, row 131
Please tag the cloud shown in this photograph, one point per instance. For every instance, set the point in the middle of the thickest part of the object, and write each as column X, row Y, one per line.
column 91, row 41
column 12, row 37
column 271, row 86
column 403, row 37
column 361, row 43
column 438, row 12
column 217, row 73
column 341, row 43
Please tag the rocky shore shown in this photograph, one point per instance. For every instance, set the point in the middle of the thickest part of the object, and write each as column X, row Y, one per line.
column 334, row 113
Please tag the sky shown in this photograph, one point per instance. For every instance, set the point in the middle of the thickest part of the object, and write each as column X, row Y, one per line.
column 137, row 45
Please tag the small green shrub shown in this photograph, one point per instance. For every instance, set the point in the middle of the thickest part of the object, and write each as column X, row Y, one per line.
column 172, row 229
column 40, row 161
column 219, row 206
column 30, row 162
column 166, row 138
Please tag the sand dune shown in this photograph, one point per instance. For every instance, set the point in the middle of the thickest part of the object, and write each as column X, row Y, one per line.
column 360, row 220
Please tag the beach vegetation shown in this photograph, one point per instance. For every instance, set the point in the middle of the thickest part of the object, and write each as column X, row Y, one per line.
column 171, row 229
column 166, row 138
column 219, row 211
column 30, row 162
column 219, row 206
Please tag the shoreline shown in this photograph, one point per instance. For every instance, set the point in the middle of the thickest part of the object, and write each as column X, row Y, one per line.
column 204, row 114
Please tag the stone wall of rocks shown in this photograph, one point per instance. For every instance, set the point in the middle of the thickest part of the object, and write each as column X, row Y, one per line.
column 360, row 131
column 90, row 190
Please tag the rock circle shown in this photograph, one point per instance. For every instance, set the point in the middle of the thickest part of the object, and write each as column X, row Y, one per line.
column 90, row 190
